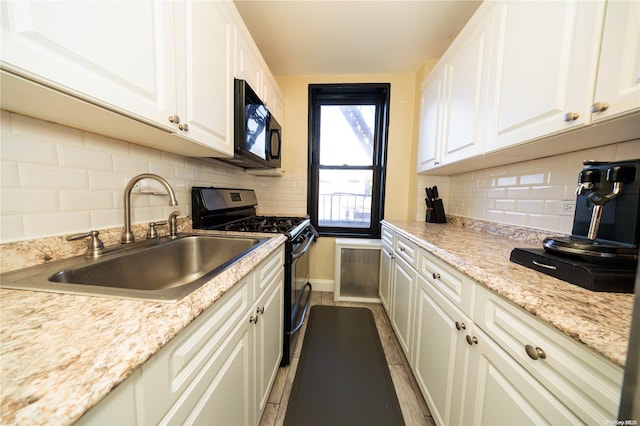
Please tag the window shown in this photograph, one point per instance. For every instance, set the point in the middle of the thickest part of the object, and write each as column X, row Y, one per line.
column 347, row 154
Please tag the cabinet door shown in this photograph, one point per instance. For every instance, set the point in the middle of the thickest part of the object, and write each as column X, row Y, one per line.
column 205, row 82
column 223, row 386
column 384, row 291
column 501, row 392
column 438, row 350
column 247, row 65
column 544, row 69
column 404, row 278
column 619, row 71
column 466, row 77
column 430, row 136
column 119, row 55
column 268, row 339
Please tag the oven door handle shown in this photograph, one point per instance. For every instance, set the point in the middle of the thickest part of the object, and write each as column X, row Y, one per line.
column 304, row 309
column 299, row 253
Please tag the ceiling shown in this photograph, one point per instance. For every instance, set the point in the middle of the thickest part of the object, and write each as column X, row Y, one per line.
column 304, row 37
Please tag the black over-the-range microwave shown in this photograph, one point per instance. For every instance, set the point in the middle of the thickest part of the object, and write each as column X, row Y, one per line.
column 258, row 136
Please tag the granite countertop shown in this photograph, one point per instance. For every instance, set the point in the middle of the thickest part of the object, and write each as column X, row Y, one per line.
column 61, row 354
column 599, row 320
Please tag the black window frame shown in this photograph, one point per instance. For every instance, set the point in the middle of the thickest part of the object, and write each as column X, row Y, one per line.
column 349, row 94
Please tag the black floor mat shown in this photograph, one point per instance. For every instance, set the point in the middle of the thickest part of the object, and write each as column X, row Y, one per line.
column 342, row 377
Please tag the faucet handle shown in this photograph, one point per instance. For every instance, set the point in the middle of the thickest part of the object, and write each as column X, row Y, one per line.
column 95, row 246
column 173, row 223
column 152, row 232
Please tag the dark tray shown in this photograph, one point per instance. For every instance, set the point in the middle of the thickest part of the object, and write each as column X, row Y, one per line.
column 594, row 277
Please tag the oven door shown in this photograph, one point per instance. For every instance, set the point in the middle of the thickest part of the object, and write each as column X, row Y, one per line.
column 301, row 288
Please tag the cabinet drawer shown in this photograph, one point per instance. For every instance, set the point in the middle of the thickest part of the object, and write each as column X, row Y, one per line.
column 584, row 381
column 387, row 237
column 268, row 269
column 407, row 250
column 171, row 371
column 456, row 286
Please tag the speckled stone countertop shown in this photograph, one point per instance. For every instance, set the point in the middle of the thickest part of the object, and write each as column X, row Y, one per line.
column 61, row 354
column 599, row 320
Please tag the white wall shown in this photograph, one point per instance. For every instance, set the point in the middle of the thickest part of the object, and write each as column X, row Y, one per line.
column 56, row 180
column 528, row 194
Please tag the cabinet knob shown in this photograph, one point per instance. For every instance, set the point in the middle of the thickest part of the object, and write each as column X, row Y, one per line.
column 460, row 326
column 435, row 275
column 253, row 319
column 260, row 310
column 472, row 340
column 174, row 119
column 535, row 353
column 599, row 107
column 571, row 116
column 435, row 163
column 184, row 127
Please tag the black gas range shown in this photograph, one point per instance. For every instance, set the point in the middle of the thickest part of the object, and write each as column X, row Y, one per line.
column 227, row 209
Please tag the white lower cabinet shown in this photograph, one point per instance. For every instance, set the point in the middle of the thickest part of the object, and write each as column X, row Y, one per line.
column 384, row 291
column 500, row 392
column 218, row 370
column 480, row 360
column 439, row 352
column 403, row 289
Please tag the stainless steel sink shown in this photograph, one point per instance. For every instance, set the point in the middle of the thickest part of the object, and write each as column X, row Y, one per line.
column 164, row 270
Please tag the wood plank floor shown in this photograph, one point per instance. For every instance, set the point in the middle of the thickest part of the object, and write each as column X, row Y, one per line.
column 414, row 409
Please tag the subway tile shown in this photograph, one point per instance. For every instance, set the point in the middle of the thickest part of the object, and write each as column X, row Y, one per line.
column 12, row 228
column 494, row 215
column 542, row 221
column 516, row 218
column 530, row 206
column 21, row 149
column 45, row 131
column 518, row 193
column 106, row 144
column 497, row 193
column 85, row 200
column 81, row 157
column 167, row 171
column 532, row 179
column 505, row 205
column 110, row 218
column 17, row 201
column 52, row 177
column 547, row 192
column 9, row 175
column 628, row 150
column 41, row 225
column 131, row 165
column 101, row 180
column 148, row 154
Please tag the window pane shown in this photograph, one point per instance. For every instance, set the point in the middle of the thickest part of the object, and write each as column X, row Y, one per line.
column 346, row 135
column 344, row 198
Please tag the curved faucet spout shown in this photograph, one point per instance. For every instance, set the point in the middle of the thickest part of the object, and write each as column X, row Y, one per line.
column 127, row 235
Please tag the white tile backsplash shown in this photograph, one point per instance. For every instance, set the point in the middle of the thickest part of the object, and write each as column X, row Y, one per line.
column 56, row 180
column 529, row 193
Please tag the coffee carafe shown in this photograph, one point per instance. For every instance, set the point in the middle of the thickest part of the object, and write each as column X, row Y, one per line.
column 606, row 225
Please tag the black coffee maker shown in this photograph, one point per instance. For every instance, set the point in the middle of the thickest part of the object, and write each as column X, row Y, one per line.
column 602, row 252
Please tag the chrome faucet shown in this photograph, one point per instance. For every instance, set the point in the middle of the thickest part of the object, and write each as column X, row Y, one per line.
column 127, row 235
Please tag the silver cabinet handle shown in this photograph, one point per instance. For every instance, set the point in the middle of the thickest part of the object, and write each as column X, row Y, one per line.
column 184, row 127
column 260, row 311
column 599, row 107
column 174, row 119
column 571, row 116
column 472, row 340
column 253, row 319
column 535, row 353
column 460, row 326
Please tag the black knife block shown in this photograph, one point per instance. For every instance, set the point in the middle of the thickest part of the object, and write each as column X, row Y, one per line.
column 436, row 214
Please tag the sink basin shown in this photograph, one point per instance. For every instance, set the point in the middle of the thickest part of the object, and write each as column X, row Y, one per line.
column 166, row 270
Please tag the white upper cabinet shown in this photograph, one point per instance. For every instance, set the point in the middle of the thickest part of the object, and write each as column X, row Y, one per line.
column 158, row 73
column 466, row 76
column 205, row 82
column 431, row 110
column 118, row 54
column 618, row 82
column 544, row 69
